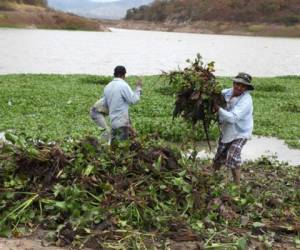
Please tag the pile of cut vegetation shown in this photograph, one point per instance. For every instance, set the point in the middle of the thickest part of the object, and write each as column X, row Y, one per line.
column 139, row 195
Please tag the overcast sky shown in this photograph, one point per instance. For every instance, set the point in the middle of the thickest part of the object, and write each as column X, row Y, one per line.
column 103, row 1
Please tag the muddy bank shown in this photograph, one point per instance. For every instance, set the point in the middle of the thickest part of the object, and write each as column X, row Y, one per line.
column 37, row 244
column 35, row 241
column 25, row 244
column 205, row 27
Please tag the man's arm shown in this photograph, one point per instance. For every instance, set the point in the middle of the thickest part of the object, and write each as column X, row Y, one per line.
column 130, row 96
column 239, row 111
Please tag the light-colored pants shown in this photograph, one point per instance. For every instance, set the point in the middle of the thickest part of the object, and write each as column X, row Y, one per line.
column 99, row 119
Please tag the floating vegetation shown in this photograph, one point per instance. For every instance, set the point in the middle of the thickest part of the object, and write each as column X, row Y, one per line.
column 60, row 109
column 102, row 80
column 290, row 107
column 270, row 88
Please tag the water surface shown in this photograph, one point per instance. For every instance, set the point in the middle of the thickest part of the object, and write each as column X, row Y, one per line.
column 259, row 146
column 142, row 52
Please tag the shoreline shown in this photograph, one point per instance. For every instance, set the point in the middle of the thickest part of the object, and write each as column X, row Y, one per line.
column 53, row 19
column 206, row 27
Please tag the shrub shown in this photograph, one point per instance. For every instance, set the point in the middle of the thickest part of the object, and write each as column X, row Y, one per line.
column 289, row 20
column 6, row 6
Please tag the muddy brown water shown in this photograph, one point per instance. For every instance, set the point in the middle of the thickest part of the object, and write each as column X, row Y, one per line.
column 142, row 52
column 259, row 146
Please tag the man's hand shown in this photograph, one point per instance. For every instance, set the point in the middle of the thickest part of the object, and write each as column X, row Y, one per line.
column 132, row 132
column 215, row 107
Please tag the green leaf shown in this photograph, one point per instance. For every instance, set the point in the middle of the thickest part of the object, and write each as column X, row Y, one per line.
column 241, row 244
column 258, row 224
column 60, row 204
column 5, row 231
column 186, row 187
column 32, row 152
column 11, row 137
column 89, row 169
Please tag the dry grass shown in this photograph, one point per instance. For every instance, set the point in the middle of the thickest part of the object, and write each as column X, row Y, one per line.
column 7, row 6
column 13, row 15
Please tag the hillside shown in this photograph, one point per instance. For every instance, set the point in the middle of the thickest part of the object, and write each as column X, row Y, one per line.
column 270, row 11
column 253, row 17
column 36, row 14
column 9, row 3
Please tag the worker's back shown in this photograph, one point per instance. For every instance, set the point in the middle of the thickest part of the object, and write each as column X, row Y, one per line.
column 118, row 96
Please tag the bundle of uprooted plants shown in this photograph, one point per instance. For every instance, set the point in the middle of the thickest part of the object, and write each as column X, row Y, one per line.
column 136, row 196
column 196, row 92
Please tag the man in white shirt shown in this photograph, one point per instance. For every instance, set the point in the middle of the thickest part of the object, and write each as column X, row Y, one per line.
column 117, row 97
column 236, row 122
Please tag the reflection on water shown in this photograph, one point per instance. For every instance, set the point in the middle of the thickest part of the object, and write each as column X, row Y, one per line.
column 2, row 136
column 270, row 146
column 264, row 146
column 2, row 139
column 142, row 52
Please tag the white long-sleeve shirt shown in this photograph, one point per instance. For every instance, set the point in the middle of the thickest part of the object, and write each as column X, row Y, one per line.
column 118, row 96
column 237, row 119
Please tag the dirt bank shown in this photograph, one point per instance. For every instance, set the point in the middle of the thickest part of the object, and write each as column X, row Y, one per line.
column 27, row 16
column 205, row 27
column 35, row 244
column 25, row 244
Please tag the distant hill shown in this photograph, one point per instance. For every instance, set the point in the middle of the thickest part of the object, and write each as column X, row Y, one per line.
column 36, row 14
column 7, row 5
column 89, row 8
column 268, row 11
column 28, row 2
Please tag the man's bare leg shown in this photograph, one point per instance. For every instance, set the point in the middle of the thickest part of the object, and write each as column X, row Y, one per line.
column 236, row 173
column 216, row 167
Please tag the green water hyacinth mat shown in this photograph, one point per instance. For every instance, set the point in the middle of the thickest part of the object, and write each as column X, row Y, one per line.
column 56, row 108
